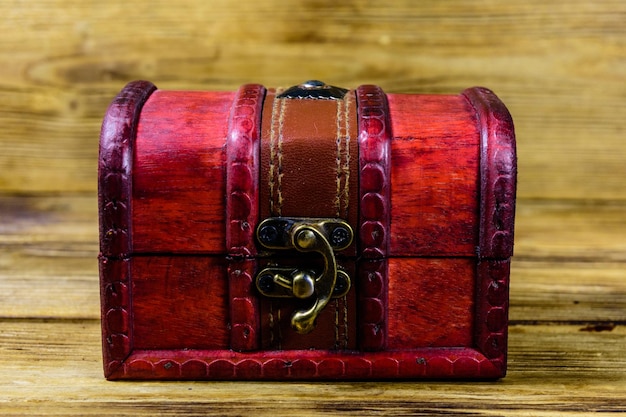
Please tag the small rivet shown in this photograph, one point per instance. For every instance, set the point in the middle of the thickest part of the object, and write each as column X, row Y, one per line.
column 268, row 234
column 266, row 283
column 340, row 284
column 340, row 236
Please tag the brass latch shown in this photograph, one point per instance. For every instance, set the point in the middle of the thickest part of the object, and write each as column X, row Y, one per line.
column 324, row 236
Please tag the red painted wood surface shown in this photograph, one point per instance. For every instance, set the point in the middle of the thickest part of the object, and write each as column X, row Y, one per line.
column 179, row 173
column 432, row 301
column 180, row 178
column 439, row 310
column 176, row 299
column 434, row 176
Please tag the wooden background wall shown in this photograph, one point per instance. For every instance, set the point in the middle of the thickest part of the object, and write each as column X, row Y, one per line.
column 560, row 66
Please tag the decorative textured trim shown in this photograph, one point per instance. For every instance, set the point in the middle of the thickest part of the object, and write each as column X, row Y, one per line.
column 498, row 176
column 116, row 311
column 372, row 307
column 307, row 365
column 492, row 307
column 245, row 329
column 276, row 155
column 242, row 170
column 374, row 166
column 117, row 138
column 242, row 213
column 374, row 215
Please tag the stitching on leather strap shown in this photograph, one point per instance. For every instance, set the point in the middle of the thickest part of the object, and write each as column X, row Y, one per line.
column 276, row 157
column 279, row 190
column 339, row 120
column 271, row 323
column 272, row 164
column 346, row 166
column 338, row 140
column 336, row 307
column 346, row 197
column 280, row 333
column 342, row 199
column 275, row 196
column 345, row 322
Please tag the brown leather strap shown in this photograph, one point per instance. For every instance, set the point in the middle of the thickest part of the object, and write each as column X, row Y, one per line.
column 309, row 158
column 309, row 168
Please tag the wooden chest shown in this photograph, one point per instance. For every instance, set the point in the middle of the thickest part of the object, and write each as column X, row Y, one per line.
column 305, row 233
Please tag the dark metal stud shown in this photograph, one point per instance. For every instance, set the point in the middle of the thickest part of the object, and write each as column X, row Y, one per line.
column 340, row 236
column 266, row 283
column 315, row 90
column 340, row 284
column 268, row 234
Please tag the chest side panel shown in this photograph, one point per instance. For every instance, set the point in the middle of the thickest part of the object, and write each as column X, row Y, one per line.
column 180, row 302
column 431, row 302
column 179, row 173
column 434, row 176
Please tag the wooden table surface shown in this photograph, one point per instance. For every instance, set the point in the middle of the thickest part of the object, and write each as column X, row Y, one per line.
column 560, row 66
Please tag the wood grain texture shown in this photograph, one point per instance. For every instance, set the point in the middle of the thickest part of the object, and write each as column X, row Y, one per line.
column 438, row 282
column 179, row 186
column 40, row 358
column 435, row 176
column 572, row 366
column 557, row 65
column 569, row 261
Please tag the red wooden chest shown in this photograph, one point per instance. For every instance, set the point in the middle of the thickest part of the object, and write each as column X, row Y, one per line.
column 305, row 233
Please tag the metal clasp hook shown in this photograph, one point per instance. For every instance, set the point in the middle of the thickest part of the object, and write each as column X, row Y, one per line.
column 323, row 236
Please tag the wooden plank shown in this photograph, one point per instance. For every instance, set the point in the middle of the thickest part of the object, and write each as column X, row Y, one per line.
column 36, row 286
column 558, row 66
column 544, row 230
column 567, row 291
column 48, row 250
column 50, row 225
column 569, row 260
column 577, row 231
column 67, row 287
column 54, row 367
